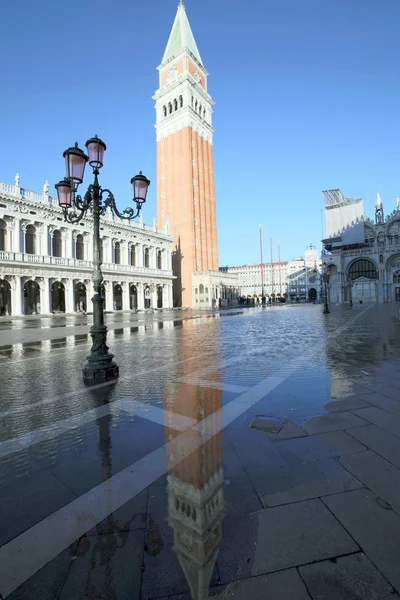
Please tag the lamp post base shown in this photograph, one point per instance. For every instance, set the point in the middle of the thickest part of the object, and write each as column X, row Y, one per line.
column 326, row 310
column 100, row 365
column 97, row 373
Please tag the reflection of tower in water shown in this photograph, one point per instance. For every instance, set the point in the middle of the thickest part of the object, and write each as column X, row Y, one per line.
column 195, row 494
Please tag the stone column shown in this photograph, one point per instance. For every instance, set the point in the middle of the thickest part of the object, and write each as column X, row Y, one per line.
column 154, row 296
column 140, row 296
column 16, row 242
column 139, row 255
column 16, row 297
column 45, row 296
column 165, row 296
column 69, row 295
column 125, row 295
column 109, row 295
column 65, row 247
column 170, row 296
column 88, row 247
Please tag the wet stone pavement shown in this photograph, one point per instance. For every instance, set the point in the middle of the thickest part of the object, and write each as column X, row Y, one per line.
column 252, row 455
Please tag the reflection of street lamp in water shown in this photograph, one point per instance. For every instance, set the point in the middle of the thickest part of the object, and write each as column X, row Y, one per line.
column 350, row 281
column 325, row 279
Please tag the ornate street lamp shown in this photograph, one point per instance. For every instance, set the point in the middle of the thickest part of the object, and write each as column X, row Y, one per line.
column 100, row 365
column 350, row 283
column 325, row 279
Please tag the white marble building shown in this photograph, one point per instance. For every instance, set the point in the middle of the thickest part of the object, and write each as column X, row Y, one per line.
column 276, row 277
column 46, row 263
column 362, row 256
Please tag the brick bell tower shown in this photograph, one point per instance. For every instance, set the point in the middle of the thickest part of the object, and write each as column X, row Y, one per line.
column 185, row 163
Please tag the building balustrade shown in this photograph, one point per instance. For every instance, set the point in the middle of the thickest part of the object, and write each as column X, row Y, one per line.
column 20, row 257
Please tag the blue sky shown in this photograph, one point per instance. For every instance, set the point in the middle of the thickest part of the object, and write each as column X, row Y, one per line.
column 307, row 98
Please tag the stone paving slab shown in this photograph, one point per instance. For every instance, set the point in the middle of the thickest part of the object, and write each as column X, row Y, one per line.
column 346, row 578
column 48, row 582
column 289, row 430
column 131, row 515
column 346, row 404
column 106, row 566
column 26, row 501
column 252, row 446
column 375, row 528
column 163, row 574
column 301, row 482
column 332, row 422
column 240, row 495
column 384, row 402
column 377, row 474
column 316, row 447
column 381, row 418
column 381, row 388
column 284, row 585
column 278, row 538
column 383, row 443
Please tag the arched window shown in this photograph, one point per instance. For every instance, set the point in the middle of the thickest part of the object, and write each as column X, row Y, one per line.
column 3, row 234
column 56, row 245
column 196, row 291
column 175, row 104
column 79, row 247
column 396, row 240
column 390, row 241
column 204, row 113
column 133, row 256
column 30, row 240
column 396, row 277
column 201, row 288
column 180, row 101
column 206, row 290
column 146, row 257
column 195, row 105
column 381, row 259
column 170, row 108
column 117, row 253
column 159, row 259
column 200, row 109
column 363, row 268
column 192, row 101
column 165, row 110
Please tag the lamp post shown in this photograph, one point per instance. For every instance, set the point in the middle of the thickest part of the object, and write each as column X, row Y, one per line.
column 325, row 279
column 100, row 365
column 350, row 282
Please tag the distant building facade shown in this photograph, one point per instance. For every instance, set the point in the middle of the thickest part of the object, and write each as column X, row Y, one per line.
column 46, row 263
column 291, row 279
column 361, row 255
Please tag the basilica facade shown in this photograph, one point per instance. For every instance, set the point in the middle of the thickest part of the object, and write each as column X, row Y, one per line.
column 46, row 263
column 361, row 255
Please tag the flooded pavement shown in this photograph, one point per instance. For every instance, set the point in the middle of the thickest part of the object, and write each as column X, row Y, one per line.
column 238, row 455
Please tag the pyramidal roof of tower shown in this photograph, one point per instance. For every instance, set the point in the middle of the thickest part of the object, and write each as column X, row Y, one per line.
column 181, row 38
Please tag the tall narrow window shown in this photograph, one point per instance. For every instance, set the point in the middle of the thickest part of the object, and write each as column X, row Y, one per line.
column 3, row 234
column 165, row 110
column 117, row 253
column 180, row 101
column 159, row 259
column 146, row 257
column 170, row 108
column 56, row 245
column 175, row 104
column 79, row 247
column 30, row 240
